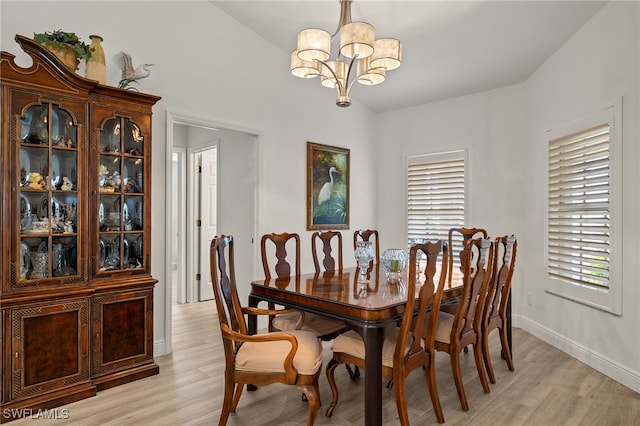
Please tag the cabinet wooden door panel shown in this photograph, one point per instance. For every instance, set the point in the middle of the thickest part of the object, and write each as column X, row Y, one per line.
column 123, row 330
column 50, row 346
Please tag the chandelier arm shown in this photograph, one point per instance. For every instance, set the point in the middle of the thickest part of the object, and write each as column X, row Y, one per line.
column 349, row 74
column 338, row 85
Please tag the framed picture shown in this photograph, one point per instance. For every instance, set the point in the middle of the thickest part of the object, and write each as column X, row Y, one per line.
column 327, row 187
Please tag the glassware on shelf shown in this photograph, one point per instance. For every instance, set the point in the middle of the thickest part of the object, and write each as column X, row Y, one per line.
column 40, row 264
column 25, row 263
column 364, row 256
column 109, row 247
column 36, row 123
column 61, row 254
column 394, row 262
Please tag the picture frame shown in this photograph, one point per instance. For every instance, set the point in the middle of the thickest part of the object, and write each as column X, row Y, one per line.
column 327, row 187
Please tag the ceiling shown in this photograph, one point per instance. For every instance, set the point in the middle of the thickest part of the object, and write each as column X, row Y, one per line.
column 450, row 48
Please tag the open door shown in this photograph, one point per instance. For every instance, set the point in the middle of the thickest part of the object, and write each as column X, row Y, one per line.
column 208, row 160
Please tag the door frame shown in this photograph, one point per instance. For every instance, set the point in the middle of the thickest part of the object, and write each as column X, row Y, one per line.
column 181, row 211
column 173, row 118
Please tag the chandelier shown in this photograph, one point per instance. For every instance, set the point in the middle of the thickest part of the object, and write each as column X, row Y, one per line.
column 358, row 48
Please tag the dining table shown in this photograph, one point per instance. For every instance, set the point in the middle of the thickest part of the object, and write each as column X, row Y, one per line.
column 368, row 308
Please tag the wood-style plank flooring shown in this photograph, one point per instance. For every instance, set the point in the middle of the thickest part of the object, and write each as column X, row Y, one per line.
column 547, row 388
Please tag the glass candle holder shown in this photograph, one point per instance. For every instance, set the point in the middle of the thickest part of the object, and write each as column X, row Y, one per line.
column 394, row 262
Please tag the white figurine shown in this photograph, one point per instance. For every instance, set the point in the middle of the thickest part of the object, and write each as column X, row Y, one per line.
column 67, row 185
column 131, row 74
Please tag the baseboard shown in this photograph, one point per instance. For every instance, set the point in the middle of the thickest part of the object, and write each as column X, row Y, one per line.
column 613, row 369
column 160, row 347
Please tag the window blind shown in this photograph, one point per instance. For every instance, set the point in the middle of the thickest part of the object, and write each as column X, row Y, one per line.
column 579, row 220
column 435, row 195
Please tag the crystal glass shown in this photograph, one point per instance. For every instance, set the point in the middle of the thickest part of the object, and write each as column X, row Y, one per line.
column 364, row 256
column 40, row 263
column 61, row 254
column 394, row 262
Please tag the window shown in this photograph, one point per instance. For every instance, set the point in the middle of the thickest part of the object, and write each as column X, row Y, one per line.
column 436, row 193
column 581, row 211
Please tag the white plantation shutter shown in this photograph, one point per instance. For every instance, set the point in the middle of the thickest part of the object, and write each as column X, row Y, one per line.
column 579, row 219
column 435, row 194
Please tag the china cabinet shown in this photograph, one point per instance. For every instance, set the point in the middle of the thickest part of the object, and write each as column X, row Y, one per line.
column 77, row 292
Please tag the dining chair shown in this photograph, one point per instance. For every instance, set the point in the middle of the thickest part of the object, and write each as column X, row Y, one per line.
column 324, row 328
column 454, row 243
column 495, row 308
column 368, row 235
column 412, row 344
column 328, row 240
column 292, row 358
column 456, row 331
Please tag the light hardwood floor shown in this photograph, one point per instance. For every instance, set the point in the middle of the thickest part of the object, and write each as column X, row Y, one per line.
column 547, row 388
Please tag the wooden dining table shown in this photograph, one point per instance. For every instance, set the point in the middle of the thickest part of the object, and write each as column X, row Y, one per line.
column 336, row 294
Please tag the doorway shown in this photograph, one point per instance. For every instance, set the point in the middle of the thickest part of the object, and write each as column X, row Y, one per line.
column 211, row 189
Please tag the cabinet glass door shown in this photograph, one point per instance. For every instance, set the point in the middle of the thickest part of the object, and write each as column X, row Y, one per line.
column 48, row 180
column 121, row 196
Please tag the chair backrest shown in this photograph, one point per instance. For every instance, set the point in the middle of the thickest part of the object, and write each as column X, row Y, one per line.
column 476, row 261
column 368, row 235
column 419, row 331
column 328, row 262
column 225, row 292
column 281, row 266
column 504, row 260
column 458, row 244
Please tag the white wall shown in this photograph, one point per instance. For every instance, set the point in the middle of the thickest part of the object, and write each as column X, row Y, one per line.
column 489, row 124
column 597, row 65
column 246, row 84
column 505, row 130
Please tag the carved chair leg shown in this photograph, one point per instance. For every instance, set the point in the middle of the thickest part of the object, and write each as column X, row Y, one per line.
column 487, row 357
column 457, row 378
column 313, row 396
column 353, row 374
column 236, row 396
column 401, row 399
column 331, row 366
column 506, row 353
column 226, row 403
column 477, row 354
column 430, row 375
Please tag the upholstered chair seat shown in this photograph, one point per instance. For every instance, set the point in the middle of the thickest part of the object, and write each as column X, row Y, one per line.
column 269, row 356
column 321, row 326
column 351, row 343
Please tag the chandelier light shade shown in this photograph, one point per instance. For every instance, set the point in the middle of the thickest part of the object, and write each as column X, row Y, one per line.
column 388, row 54
column 358, row 49
column 370, row 76
column 314, row 44
column 304, row 69
column 356, row 39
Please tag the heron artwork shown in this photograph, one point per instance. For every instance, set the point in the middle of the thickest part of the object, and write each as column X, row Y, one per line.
column 325, row 192
column 129, row 73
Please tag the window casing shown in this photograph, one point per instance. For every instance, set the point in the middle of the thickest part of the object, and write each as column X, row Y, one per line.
column 583, row 221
